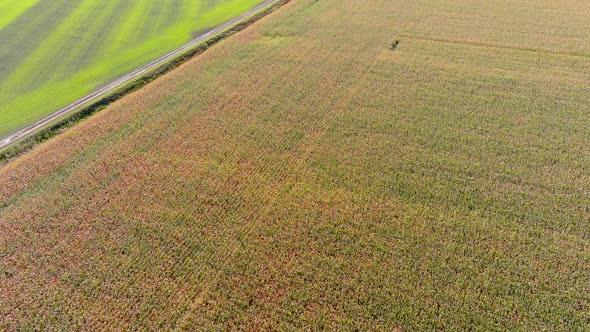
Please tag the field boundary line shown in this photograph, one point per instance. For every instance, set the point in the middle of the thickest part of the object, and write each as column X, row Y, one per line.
column 99, row 99
column 493, row 45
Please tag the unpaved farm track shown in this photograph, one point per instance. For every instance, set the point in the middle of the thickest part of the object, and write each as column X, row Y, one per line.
column 12, row 138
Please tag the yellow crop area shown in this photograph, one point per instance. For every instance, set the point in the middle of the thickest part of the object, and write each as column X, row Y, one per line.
column 304, row 175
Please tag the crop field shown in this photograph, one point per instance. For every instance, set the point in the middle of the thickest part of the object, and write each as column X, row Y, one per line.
column 303, row 175
column 53, row 52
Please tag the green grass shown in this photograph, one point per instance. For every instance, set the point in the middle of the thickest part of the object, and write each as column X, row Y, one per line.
column 11, row 9
column 301, row 175
column 54, row 52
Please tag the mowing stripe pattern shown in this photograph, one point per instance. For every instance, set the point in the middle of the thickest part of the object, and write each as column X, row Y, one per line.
column 53, row 52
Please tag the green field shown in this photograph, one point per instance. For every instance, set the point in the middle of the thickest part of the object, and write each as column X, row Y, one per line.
column 53, row 52
column 301, row 175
